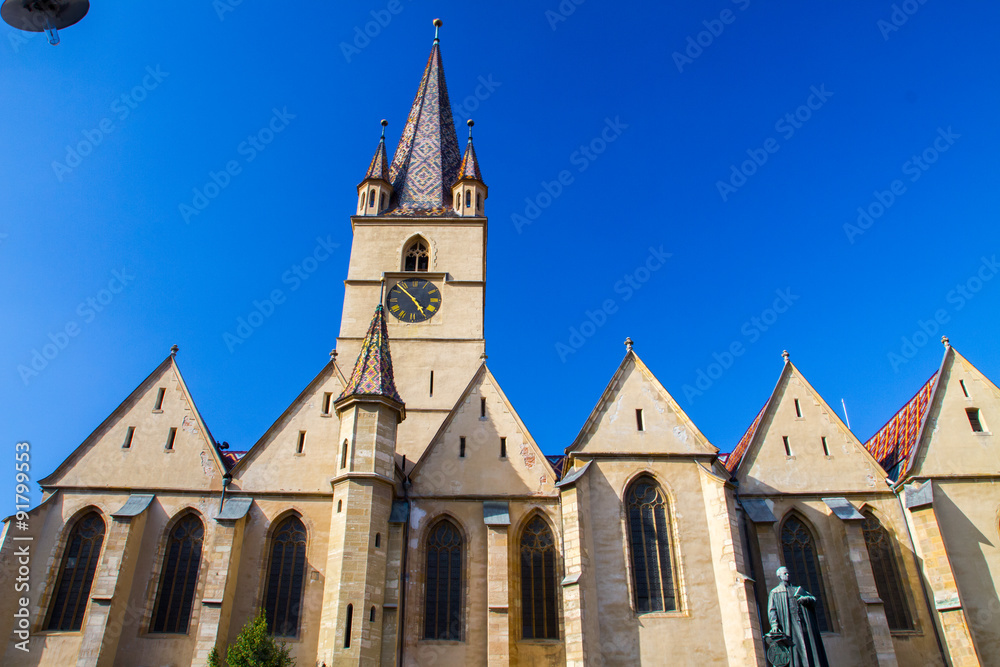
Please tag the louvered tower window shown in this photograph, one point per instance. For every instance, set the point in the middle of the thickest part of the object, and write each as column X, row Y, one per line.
column 416, row 257
column 538, row 581
column 76, row 574
column 285, row 578
column 172, row 610
column 649, row 542
column 443, row 608
column 799, row 550
column 887, row 573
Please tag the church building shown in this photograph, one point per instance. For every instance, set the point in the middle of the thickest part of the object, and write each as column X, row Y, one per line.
column 399, row 512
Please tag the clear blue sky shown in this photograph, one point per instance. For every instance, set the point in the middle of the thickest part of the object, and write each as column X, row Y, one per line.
column 885, row 96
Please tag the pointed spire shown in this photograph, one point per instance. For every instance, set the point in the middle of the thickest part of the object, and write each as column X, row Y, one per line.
column 372, row 374
column 427, row 158
column 379, row 167
column 470, row 165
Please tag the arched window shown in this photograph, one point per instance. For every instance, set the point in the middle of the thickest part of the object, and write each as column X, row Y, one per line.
column 468, row 198
column 479, row 201
column 649, row 546
column 381, row 201
column 886, row 571
column 181, row 562
column 799, row 550
column 416, row 256
column 285, row 578
column 443, row 605
column 76, row 574
column 371, row 197
column 538, row 581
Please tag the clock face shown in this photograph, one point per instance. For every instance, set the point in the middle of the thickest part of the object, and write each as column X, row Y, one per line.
column 414, row 300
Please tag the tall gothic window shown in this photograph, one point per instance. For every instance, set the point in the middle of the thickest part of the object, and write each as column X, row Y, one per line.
column 76, row 574
column 886, row 571
column 285, row 577
column 538, row 581
column 416, row 256
column 443, row 607
column 799, row 550
column 181, row 562
column 649, row 542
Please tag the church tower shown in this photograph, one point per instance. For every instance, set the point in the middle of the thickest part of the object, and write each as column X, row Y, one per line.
column 420, row 239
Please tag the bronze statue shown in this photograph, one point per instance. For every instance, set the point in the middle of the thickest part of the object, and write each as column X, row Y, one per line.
column 794, row 639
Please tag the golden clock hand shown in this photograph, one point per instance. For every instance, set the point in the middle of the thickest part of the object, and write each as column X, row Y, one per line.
column 415, row 302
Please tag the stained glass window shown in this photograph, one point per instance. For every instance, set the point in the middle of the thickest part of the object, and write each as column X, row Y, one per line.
column 649, row 542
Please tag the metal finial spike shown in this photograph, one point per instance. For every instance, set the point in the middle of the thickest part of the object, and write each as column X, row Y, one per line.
column 628, row 344
column 174, row 350
column 785, row 355
column 470, row 123
column 944, row 339
column 437, row 28
column 333, row 355
column 385, row 124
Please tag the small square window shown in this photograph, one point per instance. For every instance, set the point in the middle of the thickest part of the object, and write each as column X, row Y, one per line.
column 974, row 420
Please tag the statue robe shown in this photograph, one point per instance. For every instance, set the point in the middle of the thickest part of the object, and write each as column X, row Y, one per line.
column 788, row 612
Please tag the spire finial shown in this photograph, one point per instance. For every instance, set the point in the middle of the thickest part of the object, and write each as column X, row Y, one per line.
column 437, row 28
column 944, row 339
column 385, row 123
column 785, row 355
column 628, row 344
column 174, row 350
column 470, row 123
column 333, row 355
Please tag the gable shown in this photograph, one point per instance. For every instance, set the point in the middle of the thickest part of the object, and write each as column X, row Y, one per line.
column 825, row 456
column 613, row 426
column 443, row 471
column 947, row 444
column 274, row 462
column 103, row 460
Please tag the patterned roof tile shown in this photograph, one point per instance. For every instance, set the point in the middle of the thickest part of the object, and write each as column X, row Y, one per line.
column 372, row 374
column 379, row 167
column 733, row 460
column 895, row 442
column 470, row 165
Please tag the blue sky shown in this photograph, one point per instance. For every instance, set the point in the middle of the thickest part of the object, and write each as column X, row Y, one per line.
column 738, row 137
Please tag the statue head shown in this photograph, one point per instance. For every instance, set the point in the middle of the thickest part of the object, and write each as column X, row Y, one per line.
column 783, row 574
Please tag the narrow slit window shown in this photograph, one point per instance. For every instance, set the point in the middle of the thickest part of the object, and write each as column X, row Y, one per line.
column 170, row 438
column 343, row 455
column 347, row 626
column 159, row 398
column 327, row 399
column 503, row 448
column 461, row 447
column 302, row 442
column 826, row 448
column 788, row 448
column 371, row 197
column 639, row 424
column 340, row 506
column 432, row 384
column 371, row 615
column 468, row 198
column 798, row 408
column 974, row 421
column 482, row 407
column 964, row 390
column 381, row 201
column 129, row 434
column 378, row 540
column 479, row 201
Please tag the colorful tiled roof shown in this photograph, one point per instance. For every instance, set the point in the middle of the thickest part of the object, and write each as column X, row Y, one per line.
column 557, row 462
column 372, row 374
column 470, row 165
column 231, row 458
column 894, row 442
column 427, row 158
column 733, row 460
column 379, row 167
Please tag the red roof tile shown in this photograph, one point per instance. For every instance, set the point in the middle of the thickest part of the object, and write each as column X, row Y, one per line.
column 894, row 442
column 733, row 460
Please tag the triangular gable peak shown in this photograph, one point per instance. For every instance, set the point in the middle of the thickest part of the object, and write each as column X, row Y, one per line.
column 275, row 462
column 800, row 445
column 443, row 470
column 613, row 424
column 149, row 458
column 963, row 400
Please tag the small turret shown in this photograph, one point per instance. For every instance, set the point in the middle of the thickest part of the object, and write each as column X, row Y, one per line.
column 469, row 191
column 375, row 191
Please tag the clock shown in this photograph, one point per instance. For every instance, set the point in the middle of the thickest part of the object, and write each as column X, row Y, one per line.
column 414, row 300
